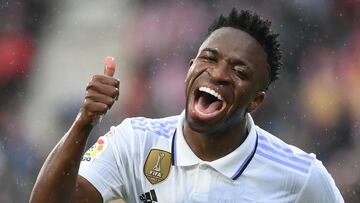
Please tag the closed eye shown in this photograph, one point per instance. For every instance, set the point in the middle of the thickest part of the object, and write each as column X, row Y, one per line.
column 208, row 55
column 208, row 59
column 240, row 72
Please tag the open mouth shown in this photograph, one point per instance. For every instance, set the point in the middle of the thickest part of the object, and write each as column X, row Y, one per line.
column 208, row 102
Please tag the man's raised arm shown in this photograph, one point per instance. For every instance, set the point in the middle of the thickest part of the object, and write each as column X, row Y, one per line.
column 58, row 180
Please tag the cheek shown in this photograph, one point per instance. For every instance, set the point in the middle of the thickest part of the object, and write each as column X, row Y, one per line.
column 188, row 78
column 188, row 75
column 243, row 95
column 194, row 71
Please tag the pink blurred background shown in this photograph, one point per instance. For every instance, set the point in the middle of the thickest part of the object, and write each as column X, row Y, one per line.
column 49, row 50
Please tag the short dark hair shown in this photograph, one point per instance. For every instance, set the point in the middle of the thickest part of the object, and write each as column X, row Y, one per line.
column 258, row 28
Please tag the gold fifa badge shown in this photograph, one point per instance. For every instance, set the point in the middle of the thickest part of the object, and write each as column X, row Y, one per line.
column 157, row 166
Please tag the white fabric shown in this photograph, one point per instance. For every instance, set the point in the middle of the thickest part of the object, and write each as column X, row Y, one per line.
column 277, row 172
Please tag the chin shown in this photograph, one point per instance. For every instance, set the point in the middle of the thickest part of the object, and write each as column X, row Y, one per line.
column 219, row 126
column 202, row 126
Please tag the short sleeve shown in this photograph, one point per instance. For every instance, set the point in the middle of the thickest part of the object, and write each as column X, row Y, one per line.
column 320, row 187
column 102, row 168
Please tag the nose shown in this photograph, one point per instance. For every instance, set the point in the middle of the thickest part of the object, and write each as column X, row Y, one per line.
column 220, row 73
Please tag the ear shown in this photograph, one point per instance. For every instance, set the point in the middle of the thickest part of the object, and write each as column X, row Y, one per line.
column 256, row 102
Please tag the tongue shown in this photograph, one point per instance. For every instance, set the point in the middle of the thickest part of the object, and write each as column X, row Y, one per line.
column 205, row 106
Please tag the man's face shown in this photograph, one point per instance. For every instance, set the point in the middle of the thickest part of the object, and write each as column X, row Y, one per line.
column 225, row 80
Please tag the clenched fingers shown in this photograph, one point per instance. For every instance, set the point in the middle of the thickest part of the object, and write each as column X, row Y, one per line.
column 107, row 80
column 105, row 89
column 95, row 96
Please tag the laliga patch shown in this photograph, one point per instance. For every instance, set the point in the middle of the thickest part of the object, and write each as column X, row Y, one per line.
column 95, row 151
column 157, row 166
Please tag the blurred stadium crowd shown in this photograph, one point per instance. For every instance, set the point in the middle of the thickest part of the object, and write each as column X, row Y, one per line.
column 49, row 50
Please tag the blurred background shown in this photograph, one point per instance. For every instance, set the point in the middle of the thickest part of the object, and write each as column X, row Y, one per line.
column 50, row 49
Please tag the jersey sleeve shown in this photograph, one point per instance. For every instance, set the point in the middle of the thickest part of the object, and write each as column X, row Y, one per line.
column 319, row 187
column 102, row 166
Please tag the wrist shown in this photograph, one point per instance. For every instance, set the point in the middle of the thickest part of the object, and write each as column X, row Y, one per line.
column 83, row 123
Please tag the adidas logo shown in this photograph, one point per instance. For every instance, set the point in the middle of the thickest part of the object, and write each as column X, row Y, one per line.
column 149, row 197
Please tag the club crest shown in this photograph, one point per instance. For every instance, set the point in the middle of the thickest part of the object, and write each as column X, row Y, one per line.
column 157, row 166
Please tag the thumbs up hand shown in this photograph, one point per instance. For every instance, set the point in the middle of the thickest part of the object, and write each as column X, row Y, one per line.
column 101, row 93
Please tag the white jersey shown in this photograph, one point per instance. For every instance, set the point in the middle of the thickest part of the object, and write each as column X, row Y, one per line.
column 148, row 160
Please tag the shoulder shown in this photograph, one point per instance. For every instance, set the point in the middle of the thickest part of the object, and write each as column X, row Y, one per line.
column 285, row 155
column 162, row 127
column 320, row 186
column 143, row 132
column 305, row 172
column 157, row 127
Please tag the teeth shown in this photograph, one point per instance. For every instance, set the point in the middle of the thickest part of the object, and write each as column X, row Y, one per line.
column 212, row 92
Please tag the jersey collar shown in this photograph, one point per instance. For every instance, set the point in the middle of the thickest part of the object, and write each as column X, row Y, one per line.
column 231, row 165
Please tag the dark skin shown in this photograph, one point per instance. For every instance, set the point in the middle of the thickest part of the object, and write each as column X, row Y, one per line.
column 58, row 180
column 229, row 60
column 233, row 63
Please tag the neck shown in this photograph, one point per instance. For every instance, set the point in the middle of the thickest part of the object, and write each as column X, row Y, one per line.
column 216, row 144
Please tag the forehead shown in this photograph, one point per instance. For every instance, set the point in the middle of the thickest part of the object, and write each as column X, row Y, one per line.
column 235, row 43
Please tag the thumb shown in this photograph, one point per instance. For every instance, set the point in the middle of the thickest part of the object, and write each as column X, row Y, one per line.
column 109, row 68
